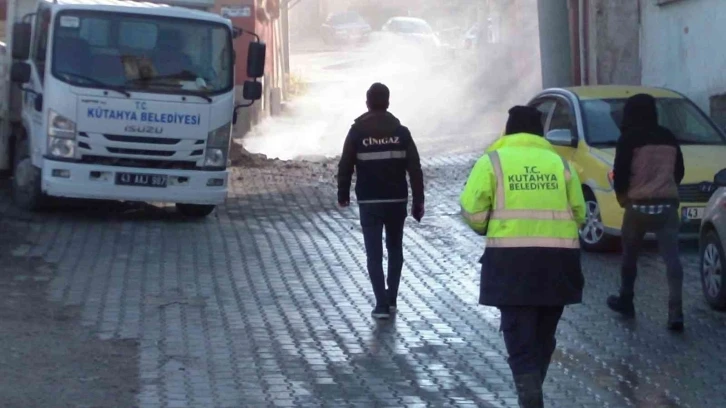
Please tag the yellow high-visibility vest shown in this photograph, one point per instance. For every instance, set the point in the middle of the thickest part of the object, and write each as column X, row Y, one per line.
column 523, row 194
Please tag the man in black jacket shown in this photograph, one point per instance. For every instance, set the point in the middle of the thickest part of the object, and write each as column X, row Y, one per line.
column 648, row 170
column 381, row 151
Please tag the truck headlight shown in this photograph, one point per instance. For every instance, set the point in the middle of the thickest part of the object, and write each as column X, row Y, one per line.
column 61, row 136
column 61, row 147
column 60, row 126
column 218, row 146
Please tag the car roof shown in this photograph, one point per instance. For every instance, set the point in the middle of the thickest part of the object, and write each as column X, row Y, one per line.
column 410, row 20
column 620, row 92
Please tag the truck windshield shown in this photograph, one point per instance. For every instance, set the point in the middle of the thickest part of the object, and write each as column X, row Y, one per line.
column 682, row 117
column 141, row 52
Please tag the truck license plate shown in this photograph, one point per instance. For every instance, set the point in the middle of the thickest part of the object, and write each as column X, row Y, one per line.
column 142, row 180
column 693, row 213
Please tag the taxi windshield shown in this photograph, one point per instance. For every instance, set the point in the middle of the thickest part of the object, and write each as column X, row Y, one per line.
column 602, row 119
column 142, row 53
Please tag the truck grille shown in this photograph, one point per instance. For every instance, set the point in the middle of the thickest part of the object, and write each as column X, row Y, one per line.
column 140, row 151
column 695, row 193
column 141, row 139
column 141, row 163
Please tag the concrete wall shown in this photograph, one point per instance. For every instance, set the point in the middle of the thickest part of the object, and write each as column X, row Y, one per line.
column 613, row 44
column 682, row 48
column 554, row 43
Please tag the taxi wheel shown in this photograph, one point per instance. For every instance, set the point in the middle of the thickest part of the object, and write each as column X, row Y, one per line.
column 712, row 263
column 593, row 237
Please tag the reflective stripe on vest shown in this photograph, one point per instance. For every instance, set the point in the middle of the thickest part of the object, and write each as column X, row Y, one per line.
column 476, row 218
column 393, row 200
column 390, row 154
column 527, row 242
column 500, row 213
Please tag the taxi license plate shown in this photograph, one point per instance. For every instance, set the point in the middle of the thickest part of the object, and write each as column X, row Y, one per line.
column 141, row 180
column 692, row 213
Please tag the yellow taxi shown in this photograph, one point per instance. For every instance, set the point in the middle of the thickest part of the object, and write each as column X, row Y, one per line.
column 583, row 125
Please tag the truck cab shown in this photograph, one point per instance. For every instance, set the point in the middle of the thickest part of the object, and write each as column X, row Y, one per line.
column 121, row 100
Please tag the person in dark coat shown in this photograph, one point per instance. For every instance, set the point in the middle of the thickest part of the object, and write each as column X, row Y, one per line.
column 382, row 152
column 648, row 169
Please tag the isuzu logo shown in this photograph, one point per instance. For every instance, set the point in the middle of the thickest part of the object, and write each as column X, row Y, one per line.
column 707, row 187
column 144, row 129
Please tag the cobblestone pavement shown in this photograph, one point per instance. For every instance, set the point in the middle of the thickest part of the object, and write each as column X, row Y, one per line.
column 266, row 303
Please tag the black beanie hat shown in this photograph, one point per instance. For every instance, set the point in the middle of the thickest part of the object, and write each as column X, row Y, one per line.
column 524, row 119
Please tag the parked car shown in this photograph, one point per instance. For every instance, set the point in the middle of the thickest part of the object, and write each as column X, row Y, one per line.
column 711, row 243
column 471, row 37
column 583, row 125
column 344, row 28
column 412, row 29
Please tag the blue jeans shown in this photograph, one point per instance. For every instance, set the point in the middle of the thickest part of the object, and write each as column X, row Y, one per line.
column 374, row 218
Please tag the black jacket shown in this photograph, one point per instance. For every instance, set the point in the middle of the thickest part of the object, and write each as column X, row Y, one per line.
column 648, row 159
column 381, row 151
column 531, row 277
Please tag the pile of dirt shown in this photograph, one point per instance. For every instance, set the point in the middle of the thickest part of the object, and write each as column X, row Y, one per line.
column 241, row 157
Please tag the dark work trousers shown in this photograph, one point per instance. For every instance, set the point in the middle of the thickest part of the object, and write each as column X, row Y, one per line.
column 374, row 218
column 639, row 220
column 529, row 334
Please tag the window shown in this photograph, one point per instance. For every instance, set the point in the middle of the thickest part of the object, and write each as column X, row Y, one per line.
column 137, row 52
column 545, row 107
column 137, row 35
column 95, row 31
column 40, row 45
column 562, row 117
column 690, row 126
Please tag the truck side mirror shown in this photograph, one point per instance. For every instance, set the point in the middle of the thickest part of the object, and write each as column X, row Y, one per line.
column 252, row 90
column 21, row 40
column 256, row 59
column 39, row 102
column 20, row 72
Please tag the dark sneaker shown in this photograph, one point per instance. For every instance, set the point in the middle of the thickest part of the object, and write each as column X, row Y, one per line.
column 675, row 318
column 381, row 312
column 391, row 302
column 622, row 305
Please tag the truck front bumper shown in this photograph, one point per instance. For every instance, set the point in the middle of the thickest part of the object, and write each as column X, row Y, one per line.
column 90, row 181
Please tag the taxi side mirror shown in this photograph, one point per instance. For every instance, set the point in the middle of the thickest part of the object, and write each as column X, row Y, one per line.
column 720, row 178
column 561, row 137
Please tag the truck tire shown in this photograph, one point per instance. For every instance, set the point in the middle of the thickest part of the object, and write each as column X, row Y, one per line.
column 195, row 210
column 26, row 190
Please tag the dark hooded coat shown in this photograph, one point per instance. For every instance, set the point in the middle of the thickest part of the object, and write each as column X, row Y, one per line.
column 381, row 151
column 648, row 160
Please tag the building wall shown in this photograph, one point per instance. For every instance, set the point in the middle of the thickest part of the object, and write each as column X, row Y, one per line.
column 682, row 48
column 264, row 20
column 614, row 46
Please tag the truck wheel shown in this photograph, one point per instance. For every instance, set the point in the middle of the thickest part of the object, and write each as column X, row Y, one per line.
column 195, row 210
column 593, row 237
column 26, row 190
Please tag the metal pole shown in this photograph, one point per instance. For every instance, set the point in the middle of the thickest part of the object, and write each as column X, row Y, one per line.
column 285, row 20
column 581, row 35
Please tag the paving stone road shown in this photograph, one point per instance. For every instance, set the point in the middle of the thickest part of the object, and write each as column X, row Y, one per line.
column 267, row 303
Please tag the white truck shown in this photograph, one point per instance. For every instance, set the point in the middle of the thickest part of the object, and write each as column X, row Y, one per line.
column 120, row 100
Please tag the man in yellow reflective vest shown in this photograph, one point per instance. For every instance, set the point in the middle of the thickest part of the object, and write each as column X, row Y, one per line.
column 529, row 204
